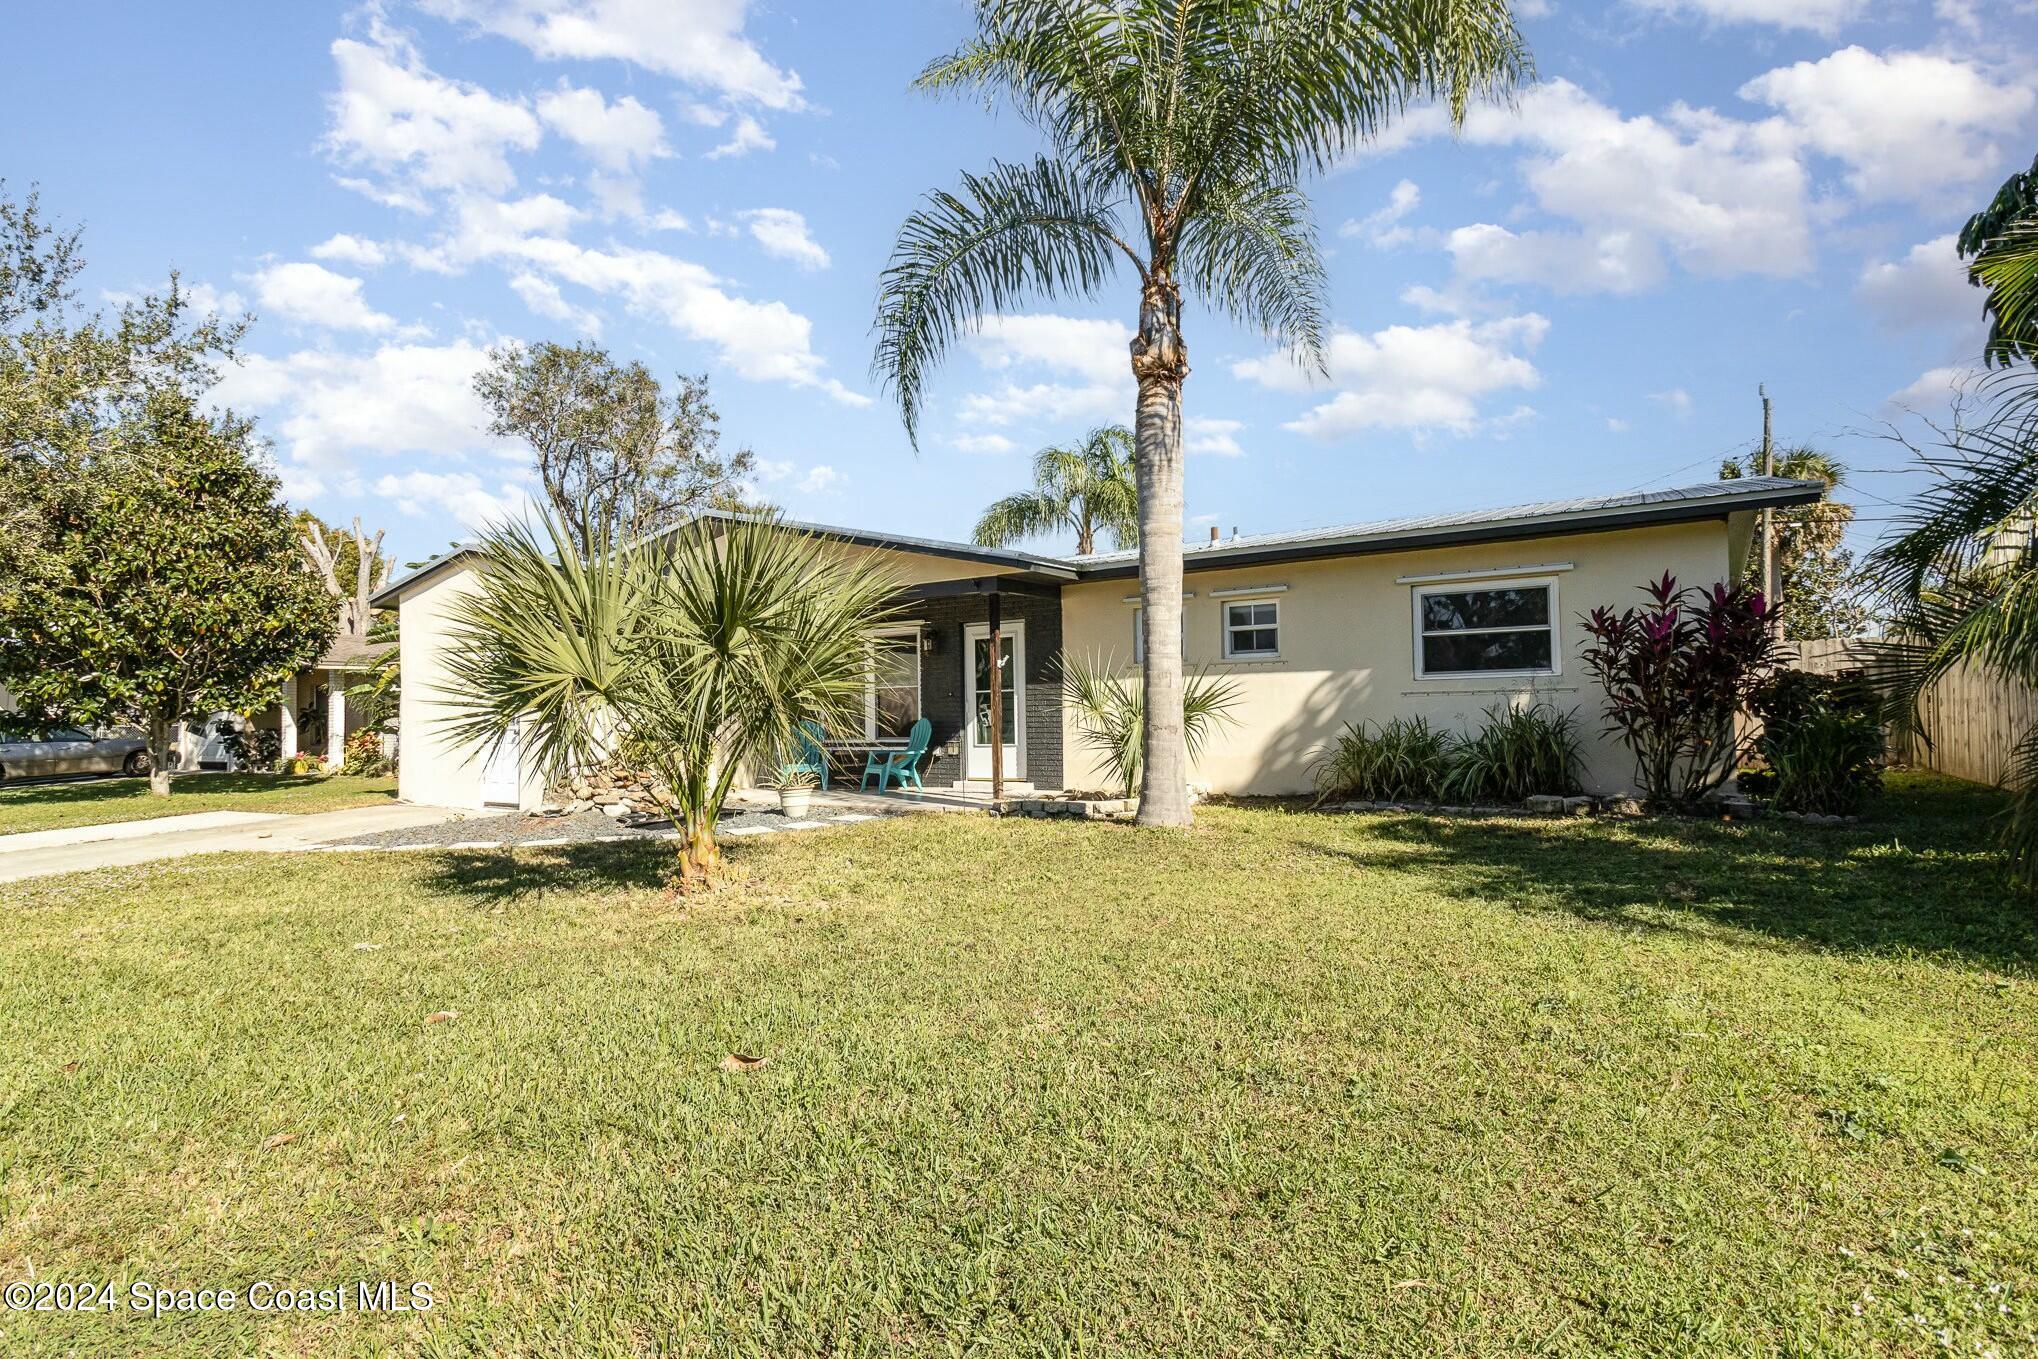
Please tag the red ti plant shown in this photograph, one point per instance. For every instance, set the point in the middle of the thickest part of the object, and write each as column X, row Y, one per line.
column 1678, row 673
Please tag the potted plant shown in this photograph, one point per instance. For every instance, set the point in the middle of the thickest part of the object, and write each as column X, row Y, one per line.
column 795, row 784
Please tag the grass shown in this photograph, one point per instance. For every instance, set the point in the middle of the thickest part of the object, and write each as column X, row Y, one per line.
column 50, row 806
column 1289, row 1084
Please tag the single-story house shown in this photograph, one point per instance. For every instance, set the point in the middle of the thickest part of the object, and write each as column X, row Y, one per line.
column 1442, row 616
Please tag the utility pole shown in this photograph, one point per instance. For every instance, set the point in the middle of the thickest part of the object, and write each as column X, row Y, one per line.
column 1769, row 581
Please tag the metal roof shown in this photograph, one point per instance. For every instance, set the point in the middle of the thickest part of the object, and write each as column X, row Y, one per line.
column 1704, row 501
column 1708, row 500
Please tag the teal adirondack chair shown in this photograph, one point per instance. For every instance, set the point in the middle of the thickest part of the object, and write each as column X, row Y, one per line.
column 903, row 765
column 807, row 745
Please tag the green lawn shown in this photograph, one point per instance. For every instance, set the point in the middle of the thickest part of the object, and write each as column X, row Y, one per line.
column 1289, row 1084
column 48, row 806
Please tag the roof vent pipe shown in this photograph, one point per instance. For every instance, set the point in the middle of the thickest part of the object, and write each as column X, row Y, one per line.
column 1213, row 533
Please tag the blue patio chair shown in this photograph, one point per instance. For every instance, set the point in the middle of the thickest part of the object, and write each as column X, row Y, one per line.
column 903, row 765
column 807, row 746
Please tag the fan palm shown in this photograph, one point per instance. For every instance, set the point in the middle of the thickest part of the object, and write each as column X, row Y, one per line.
column 1180, row 130
column 1077, row 488
column 695, row 654
column 1109, row 712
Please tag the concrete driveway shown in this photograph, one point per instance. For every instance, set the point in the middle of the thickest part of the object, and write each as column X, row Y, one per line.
column 36, row 854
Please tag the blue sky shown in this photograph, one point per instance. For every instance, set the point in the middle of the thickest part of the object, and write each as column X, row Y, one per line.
column 1579, row 296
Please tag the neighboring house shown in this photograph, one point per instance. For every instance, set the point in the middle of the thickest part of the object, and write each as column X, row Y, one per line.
column 1439, row 616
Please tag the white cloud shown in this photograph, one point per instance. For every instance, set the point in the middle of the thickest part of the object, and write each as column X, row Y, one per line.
column 1907, row 125
column 1616, row 425
column 1936, row 390
column 542, row 296
column 312, row 294
column 783, row 232
column 620, row 137
column 1926, row 289
column 1048, row 402
column 396, row 117
column 748, row 135
column 1382, row 228
column 820, row 479
column 981, row 443
column 1564, row 262
column 345, row 249
column 1100, row 351
column 1415, row 378
column 1203, row 434
column 1718, row 195
column 700, row 42
column 461, row 494
column 1677, row 399
column 1820, row 16
column 326, row 409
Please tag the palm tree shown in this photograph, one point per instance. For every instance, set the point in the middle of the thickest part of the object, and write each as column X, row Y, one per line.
column 1180, row 130
column 1961, row 581
column 695, row 653
column 1079, row 488
column 1815, row 573
column 2001, row 244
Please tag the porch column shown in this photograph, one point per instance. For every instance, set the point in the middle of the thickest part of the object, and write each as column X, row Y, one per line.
column 336, row 719
column 997, row 640
column 286, row 720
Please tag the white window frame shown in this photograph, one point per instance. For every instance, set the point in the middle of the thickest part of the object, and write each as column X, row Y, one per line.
column 870, row 684
column 1224, row 628
column 1139, row 631
column 1471, row 586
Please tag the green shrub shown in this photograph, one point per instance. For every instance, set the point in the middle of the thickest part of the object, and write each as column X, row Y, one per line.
column 1829, row 762
column 1403, row 759
column 1517, row 754
column 1110, row 713
column 364, row 754
column 248, row 747
column 1821, row 744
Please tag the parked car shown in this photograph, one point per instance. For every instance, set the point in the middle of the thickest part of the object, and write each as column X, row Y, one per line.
column 70, row 750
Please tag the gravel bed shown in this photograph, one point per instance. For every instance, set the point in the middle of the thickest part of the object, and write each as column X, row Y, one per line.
column 518, row 828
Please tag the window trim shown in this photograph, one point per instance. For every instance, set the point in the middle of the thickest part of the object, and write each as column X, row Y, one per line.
column 1224, row 629
column 910, row 632
column 1139, row 631
column 1416, row 593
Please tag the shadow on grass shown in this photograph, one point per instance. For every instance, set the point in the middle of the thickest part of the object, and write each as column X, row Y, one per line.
column 498, row 877
column 1916, row 877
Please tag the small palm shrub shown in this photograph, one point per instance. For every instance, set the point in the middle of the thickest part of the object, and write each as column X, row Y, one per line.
column 1517, row 754
column 1110, row 715
column 1403, row 759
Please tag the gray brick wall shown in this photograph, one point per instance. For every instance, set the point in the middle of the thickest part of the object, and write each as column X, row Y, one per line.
column 941, row 682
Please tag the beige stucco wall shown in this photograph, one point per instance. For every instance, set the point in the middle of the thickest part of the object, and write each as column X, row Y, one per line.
column 1348, row 649
column 434, row 766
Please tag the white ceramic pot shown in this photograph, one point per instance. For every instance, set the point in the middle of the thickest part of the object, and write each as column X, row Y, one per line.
column 795, row 801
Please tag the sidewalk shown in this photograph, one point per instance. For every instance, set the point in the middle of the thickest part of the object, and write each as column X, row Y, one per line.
column 36, row 854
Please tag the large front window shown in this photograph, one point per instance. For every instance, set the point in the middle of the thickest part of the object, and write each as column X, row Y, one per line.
column 1499, row 629
column 892, row 704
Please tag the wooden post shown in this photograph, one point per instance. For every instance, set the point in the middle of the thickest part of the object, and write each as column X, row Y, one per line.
column 997, row 647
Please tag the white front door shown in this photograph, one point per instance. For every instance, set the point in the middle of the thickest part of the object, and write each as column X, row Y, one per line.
column 499, row 779
column 976, row 683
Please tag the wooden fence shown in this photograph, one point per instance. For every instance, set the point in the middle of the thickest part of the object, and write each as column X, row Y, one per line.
column 1973, row 719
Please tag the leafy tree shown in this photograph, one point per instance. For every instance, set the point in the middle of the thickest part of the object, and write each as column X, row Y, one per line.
column 693, row 654
column 172, row 591
column 1816, row 572
column 617, row 455
column 1080, row 488
column 1180, row 130
column 2001, row 244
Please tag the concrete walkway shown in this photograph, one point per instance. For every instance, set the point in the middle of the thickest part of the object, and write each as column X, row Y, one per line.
column 75, row 849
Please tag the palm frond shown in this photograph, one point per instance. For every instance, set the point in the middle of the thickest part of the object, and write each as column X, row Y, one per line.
column 1019, row 516
column 1252, row 254
column 1019, row 229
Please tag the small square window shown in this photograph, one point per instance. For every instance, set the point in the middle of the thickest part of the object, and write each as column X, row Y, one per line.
column 1252, row 629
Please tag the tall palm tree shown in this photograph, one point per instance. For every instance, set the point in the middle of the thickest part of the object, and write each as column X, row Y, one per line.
column 2000, row 244
column 1180, row 130
column 693, row 653
column 1076, row 487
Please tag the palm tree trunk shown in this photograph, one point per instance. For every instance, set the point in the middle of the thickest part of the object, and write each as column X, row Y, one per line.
column 1160, row 363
